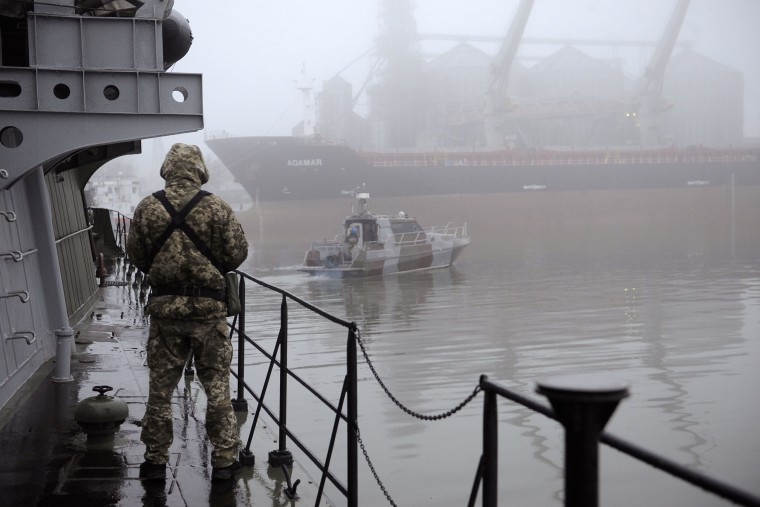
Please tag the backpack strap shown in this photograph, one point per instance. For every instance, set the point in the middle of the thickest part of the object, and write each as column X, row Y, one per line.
column 188, row 291
column 178, row 222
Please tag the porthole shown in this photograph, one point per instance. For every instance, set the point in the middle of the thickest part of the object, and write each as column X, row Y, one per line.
column 180, row 94
column 111, row 92
column 61, row 91
column 11, row 137
column 10, row 89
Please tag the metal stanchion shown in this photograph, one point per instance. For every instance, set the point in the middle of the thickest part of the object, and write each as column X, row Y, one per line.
column 584, row 405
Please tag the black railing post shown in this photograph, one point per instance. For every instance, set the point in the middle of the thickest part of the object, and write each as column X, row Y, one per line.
column 124, row 233
column 240, row 404
column 121, row 221
column 282, row 456
column 490, row 447
column 118, row 229
column 584, row 405
column 283, row 374
column 352, row 451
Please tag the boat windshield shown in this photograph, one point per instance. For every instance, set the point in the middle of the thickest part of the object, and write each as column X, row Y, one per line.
column 366, row 229
column 405, row 227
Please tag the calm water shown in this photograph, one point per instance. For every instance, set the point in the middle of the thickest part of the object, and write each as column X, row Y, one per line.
column 685, row 334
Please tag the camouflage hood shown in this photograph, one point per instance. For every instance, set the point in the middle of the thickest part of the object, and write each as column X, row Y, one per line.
column 184, row 163
column 179, row 262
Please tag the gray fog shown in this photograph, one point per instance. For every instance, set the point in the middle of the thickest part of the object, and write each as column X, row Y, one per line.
column 251, row 54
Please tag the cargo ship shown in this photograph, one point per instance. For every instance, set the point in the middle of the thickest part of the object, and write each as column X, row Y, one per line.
column 292, row 168
column 465, row 121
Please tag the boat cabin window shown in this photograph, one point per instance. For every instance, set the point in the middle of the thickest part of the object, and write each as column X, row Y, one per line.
column 370, row 232
column 364, row 231
column 405, row 227
column 353, row 231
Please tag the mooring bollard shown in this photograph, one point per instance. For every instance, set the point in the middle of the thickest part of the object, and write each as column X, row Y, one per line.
column 64, row 340
column 584, row 405
column 101, row 272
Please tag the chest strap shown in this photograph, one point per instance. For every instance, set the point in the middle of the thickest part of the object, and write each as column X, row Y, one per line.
column 188, row 291
column 178, row 222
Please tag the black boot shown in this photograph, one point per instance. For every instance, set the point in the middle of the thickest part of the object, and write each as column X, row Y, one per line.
column 152, row 472
column 226, row 473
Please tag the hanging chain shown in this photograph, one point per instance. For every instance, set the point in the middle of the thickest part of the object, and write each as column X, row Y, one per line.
column 400, row 405
column 372, row 468
column 425, row 417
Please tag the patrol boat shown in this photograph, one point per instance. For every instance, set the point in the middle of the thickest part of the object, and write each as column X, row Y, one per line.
column 373, row 244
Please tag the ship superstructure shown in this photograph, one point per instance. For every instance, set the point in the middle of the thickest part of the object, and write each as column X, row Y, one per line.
column 67, row 67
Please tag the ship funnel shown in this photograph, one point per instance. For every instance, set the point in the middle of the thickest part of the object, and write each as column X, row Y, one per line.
column 177, row 38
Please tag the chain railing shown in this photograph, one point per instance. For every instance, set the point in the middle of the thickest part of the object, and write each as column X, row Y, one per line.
column 582, row 404
column 282, row 457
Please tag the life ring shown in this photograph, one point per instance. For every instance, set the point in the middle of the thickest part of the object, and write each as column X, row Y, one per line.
column 331, row 261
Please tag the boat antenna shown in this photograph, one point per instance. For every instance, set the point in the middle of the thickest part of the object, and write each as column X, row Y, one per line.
column 306, row 86
column 362, row 197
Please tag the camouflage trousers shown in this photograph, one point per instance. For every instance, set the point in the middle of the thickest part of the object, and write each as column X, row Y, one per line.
column 170, row 343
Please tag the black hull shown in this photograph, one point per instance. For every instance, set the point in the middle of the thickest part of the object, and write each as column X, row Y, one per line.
column 273, row 169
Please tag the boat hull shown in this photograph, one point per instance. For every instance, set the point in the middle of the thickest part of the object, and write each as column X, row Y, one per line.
column 273, row 169
column 373, row 244
column 412, row 258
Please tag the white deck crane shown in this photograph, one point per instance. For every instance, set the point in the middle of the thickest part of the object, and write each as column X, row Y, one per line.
column 496, row 100
column 649, row 89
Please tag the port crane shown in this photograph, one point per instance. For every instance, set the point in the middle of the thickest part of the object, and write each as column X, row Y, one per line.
column 645, row 106
column 496, row 101
column 648, row 98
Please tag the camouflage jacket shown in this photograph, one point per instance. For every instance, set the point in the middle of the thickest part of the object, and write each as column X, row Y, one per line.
column 179, row 263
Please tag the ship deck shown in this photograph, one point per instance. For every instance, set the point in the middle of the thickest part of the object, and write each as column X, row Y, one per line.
column 48, row 460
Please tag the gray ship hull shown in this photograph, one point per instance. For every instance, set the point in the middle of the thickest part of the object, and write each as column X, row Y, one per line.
column 282, row 168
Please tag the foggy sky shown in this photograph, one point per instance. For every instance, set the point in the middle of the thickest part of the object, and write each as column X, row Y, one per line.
column 251, row 52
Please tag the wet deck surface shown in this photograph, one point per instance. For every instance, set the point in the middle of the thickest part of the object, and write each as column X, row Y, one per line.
column 47, row 460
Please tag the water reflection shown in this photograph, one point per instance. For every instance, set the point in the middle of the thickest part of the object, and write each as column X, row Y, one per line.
column 368, row 301
column 372, row 301
column 154, row 493
column 683, row 334
column 223, row 494
column 709, row 309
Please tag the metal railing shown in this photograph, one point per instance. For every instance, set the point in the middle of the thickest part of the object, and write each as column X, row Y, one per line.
column 282, row 457
column 449, row 231
column 121, row 229
column 561, row 158
column 582, row 404
column 113, row 227
column 409, row 238
column 583, row 410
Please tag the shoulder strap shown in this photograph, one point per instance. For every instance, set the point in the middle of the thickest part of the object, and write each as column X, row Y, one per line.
column 178, row 222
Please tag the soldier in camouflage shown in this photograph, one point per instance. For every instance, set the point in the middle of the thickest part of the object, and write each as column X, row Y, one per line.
column 184, row 324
